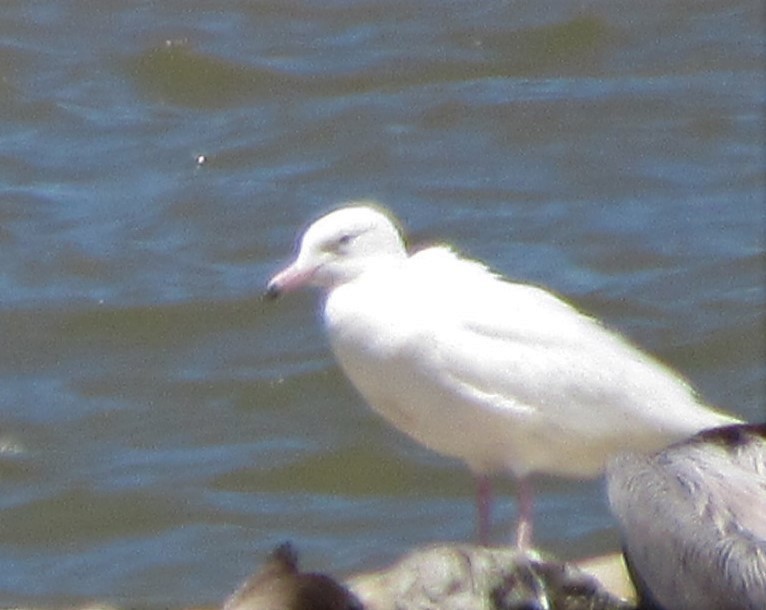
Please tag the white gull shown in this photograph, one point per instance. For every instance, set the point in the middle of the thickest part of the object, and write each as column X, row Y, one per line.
column 505, row 376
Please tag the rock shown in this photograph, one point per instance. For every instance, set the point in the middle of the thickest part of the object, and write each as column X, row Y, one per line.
column 693, row 520
column 466, row 577
column 443, row 577
column 610, row 570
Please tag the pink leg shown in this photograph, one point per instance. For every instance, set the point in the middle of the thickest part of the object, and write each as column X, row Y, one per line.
column 483, row 507
column 525, row 495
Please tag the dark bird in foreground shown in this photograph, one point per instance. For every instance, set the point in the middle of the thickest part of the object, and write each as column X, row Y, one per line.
column 281, row 586
column 693, row 520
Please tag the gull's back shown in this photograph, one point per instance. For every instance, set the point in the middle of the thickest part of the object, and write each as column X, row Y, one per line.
column 503, row 375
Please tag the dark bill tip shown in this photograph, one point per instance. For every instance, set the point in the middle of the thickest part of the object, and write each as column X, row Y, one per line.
column 272, row 292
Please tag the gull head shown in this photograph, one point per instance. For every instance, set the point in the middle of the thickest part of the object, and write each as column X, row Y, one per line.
column 339, row 247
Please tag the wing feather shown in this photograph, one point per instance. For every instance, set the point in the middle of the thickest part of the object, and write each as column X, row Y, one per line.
column 518, row 346
column 478, row 367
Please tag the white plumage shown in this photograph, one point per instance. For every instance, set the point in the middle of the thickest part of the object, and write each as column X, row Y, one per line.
column 505, row 376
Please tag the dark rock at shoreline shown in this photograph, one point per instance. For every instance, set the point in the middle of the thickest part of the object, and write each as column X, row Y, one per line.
column 279, row 585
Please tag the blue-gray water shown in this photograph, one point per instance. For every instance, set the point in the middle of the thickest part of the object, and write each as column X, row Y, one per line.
column 162, row 428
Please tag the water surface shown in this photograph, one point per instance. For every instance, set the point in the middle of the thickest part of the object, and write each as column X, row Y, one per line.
column 162, row 428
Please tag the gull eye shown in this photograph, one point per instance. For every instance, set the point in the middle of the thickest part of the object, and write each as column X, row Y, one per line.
column 338, row 244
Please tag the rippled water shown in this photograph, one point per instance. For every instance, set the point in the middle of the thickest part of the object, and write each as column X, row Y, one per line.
column 162, row 428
